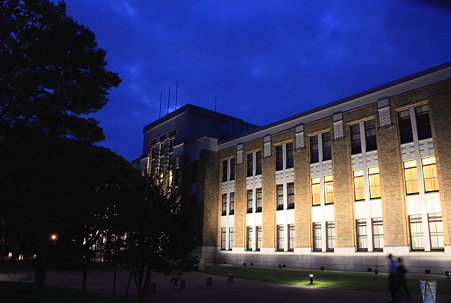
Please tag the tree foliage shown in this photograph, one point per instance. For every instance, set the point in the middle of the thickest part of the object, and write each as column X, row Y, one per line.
column 151, row 234
column 51, row 72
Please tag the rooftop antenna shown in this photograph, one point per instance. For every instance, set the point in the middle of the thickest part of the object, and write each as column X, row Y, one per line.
column 161, row 99
column 215, row 103
column 176, row 93
column 169, row 96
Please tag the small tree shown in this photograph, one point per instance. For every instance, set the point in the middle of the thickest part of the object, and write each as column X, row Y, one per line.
column 151, row 234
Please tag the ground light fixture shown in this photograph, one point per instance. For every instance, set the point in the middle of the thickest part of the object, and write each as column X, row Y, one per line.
column 311, row 278
column 447, row 273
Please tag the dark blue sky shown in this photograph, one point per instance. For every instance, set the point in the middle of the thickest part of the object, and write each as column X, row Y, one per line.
column 263, row 60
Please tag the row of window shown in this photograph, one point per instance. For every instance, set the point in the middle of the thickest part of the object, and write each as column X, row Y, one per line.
column 414, row 125
column 363, row 241
column 428, row 173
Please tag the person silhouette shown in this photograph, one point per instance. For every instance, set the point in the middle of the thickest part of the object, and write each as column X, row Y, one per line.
column 401, row 271
column 392, row 278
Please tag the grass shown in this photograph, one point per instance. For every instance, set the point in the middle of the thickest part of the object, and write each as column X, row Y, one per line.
column 326, row 279
column 26, row 292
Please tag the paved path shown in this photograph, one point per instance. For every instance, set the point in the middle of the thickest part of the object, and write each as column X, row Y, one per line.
column 240, row 291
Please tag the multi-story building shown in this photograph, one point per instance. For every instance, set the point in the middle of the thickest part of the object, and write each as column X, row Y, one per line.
column 339, row 186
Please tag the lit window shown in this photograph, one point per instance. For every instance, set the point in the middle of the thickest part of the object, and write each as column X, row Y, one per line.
column 224, row 204
column 279, row 196
column 249, row 238
column 436, row 231
column 280, row 238
column 375, row 182
column 411, row 174
column 317, row 243
column 290, row 193
column 359, row 185
column 362, row 244
column 250, row 200
column 231, row 237
column 258, row 198
column 290, row 237
column 330, row 230
column 430, row 174
column 416, row 232
column 378, row 234
column 232, row 204
column 223, row 238
column 259, row 238
column 329, row 189
column 316, row 191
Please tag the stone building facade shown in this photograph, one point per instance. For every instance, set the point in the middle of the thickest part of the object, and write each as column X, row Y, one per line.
column 339, row 186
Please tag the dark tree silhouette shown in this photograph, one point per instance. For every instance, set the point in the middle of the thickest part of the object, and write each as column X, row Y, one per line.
column 52, row 76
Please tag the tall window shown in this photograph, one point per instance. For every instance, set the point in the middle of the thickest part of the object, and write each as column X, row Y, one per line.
column 436, row 231
column 223, row 238
column 430, row 174
column 416, row 232
column 370, row 135
column 405, row 126
column 423, row 123
column 224, row 204
column 329, row 190
column 316, row 191
column 250, row 200
column 327, row 150
column 224, row 171
column 232, row 169
column 250, row 164
column 330, row 231
column 258, row 168
column 249, row 238
column 279, row 157
column 290, row 193
column 317, row 243
column 359, row 185
column 231, row 237
column 289, row 153
column 259, row 238
column 411, row 175
column 378, row 234
column 375, row 182
column 362, row 244
column 258, row 200
column 356, row 145
column 280, row 238
column 290, row 237
column 314, row 149
column 279, row 196
column 232, row 204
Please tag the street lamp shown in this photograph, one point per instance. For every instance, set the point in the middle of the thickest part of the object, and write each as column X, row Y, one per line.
column 311, row 278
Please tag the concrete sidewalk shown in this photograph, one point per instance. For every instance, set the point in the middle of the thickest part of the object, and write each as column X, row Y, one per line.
column 197, row 291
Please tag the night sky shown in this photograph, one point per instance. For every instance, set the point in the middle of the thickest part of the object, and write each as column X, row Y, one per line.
column 262, row 60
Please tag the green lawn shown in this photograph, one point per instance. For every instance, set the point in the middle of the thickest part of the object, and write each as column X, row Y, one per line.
column 26, row 293
column 327, row 279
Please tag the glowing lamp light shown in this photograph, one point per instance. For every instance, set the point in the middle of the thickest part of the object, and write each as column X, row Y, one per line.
column 311, row 278
column 447, row 274
column 53, row 237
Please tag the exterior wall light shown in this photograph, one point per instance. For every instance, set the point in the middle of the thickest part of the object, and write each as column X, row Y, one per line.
column 311, row 278
column 447, row 273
